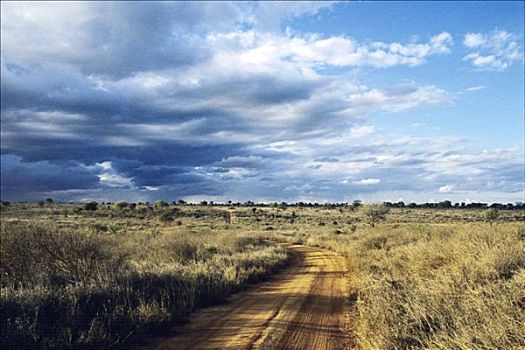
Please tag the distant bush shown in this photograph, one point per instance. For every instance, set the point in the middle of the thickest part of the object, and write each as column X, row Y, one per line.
column 374, row 213
column 491, row 215
column 120, row 205
column 166, row 217
column 90, row 206
column 160, row 204
column 356, row 204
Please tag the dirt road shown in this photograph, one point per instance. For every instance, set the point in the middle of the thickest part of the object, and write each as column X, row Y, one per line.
column 301, row 308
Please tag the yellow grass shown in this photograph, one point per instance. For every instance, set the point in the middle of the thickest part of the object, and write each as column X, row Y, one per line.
column 421, row 279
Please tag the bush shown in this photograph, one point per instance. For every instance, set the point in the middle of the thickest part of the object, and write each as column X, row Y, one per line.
column 166, row 217
column 38, row 254
column 374, row 213
column 91, row 206
column 160, row 204
column 120, row 205
column 491, row 215
column 75, row 288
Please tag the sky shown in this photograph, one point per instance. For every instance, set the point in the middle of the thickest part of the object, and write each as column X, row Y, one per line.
column 263, row 101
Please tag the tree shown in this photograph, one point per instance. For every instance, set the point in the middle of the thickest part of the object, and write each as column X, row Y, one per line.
column 445, row 205
column 491, row 215
column 160, row 204
column 356, row 204
column 121, row 205
column 49, row 200
column 374, row 213
column 91, row 206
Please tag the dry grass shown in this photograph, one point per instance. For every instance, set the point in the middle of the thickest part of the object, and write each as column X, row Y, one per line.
column 421, row 279
column 91, row 282
column 440, row 285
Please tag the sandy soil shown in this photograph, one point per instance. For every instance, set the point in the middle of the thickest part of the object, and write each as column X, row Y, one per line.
column 303, row 307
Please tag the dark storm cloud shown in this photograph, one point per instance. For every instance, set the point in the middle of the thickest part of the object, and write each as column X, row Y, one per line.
column 149, row 100
column 23, row 180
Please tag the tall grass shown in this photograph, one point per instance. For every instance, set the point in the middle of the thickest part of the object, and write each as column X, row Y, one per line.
column 433, row 286
column 83, row 289
column 420, row 279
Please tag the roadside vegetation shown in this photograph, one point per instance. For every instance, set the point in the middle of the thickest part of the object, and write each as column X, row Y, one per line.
column 93, row 282
column 97, row 275
column 454, row 281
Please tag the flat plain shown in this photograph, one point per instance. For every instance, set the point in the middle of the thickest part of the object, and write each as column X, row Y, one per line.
column 260, row 277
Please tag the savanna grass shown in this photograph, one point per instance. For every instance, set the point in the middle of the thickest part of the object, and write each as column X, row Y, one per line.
column 96, row 285
column 454, row 283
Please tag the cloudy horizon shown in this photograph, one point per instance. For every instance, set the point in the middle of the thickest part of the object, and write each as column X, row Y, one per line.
column 268, row 101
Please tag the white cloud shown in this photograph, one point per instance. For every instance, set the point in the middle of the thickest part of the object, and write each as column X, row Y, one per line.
column 475, row 88
column 311, row 51
column 361, row 131
column 258, row 114
column 367, row 182
column 474, row 40
column 110, row 177
column 495, row 51
column 446, row 189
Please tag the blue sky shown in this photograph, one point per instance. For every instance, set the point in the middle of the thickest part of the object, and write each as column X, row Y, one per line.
column 263, row 101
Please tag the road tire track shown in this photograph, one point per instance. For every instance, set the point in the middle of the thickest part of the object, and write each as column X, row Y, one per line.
column 303, row 307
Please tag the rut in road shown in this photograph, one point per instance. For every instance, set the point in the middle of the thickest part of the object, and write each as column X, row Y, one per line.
column 304, row 307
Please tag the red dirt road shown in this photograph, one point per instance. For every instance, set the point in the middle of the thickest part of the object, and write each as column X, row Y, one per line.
column 304, row 307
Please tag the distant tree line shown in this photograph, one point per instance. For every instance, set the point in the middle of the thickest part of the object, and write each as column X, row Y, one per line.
column 450, row 205
column 283, row 205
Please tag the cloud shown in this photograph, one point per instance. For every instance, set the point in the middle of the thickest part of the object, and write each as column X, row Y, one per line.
column 475, row 88
column 367, row 182
column 142, row 101
column 313, row 52
column 268, row 15
column 446, row 189
column 33, row 180
column 472, row 40
column 495, row 51
column 111, row 177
